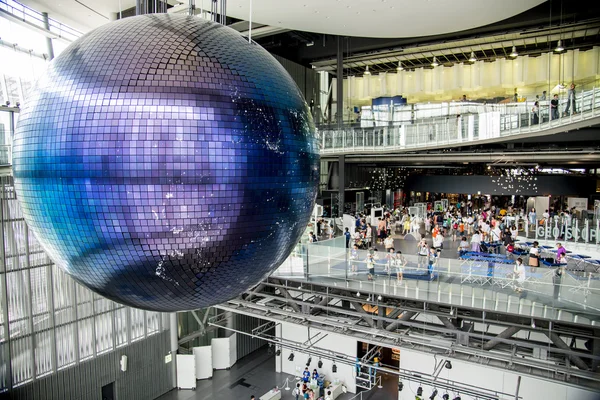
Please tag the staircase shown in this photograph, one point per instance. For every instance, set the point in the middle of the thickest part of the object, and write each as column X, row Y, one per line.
column 365, row 373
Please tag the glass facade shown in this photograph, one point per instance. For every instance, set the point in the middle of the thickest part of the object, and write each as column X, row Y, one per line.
column 48, row 321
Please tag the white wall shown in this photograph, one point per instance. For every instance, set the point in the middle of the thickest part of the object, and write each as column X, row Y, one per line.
column 333, row 342
column 490, row 378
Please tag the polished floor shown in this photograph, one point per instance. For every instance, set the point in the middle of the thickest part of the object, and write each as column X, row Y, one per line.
column 255, row 375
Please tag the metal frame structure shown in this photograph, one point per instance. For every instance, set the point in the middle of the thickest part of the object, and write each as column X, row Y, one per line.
column 462, row 332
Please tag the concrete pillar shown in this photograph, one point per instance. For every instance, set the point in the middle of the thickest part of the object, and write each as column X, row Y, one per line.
column 49, row 46
column 341, row 184
column 340, row 82
column 173, row 328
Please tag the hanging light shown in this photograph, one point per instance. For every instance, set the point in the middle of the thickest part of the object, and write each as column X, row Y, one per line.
column 399, row 67
column 434, row 63
column 472, row 58
column 559, row 46
column 367, row 72
column 514, row 53
column 291, row 357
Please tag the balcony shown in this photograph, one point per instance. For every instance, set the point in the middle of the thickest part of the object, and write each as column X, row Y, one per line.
column 431, row 126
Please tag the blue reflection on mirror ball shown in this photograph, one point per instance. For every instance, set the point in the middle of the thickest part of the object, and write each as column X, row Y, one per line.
column 166, row 163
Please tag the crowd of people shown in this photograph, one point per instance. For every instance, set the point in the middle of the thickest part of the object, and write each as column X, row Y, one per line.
column 461, row 227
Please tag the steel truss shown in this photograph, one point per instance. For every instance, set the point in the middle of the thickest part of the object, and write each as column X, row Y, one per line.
column 570, row 354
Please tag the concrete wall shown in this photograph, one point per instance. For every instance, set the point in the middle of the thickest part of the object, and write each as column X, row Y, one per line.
column 147, row 375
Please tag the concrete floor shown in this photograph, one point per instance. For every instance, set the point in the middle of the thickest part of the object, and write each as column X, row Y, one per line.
column 255, row 375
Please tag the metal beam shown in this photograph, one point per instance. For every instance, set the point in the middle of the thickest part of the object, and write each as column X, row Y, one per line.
column 558, row 342
column 505, row 334
column 368, row 318
column 256, row 290
column 288, row 296
column 406, row 315
column 446, row 321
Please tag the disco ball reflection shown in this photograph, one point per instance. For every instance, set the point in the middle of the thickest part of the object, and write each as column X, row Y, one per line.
column 166, row 163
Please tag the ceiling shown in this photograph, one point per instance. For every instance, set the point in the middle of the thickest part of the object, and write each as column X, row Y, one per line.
column 83, row 15
column 363, row 18
column 378, row 18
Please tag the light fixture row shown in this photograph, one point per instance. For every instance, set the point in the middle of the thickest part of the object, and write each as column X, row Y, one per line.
column 513, row 54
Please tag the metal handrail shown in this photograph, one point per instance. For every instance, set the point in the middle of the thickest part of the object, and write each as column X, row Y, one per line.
column 424, row 126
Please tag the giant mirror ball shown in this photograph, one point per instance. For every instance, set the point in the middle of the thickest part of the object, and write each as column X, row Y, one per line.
column 166, row 163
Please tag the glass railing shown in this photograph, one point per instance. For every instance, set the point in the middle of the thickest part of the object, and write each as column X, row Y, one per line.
column 569, row 292
column 435, row 125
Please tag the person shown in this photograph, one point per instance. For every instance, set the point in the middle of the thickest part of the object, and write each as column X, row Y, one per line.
column 381, row 230
column 516, row 96
column 438, row 241
column 561, row 258
column 554, row 107
column 370, row 261
column 311, row 237
column 535, row 113
column 390, row 257
column 315, row 374
column 252, row 397
column 306, row 375
column 422, row 252
column 543, row 96
column 571, row 100
column 353, row 260
column 464, row 98
column 348, row 236
column 514, row 232
column 532, row 217
column 369, row 235
column 388, row 243
column 520, row 274
column 475, row 242
column 400, row 262
column 434, row 254
column 296, row 391
column 534, row 255
column 463, row 247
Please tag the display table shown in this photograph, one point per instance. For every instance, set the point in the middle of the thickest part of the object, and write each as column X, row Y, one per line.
column 271, row 395
column 336, row 390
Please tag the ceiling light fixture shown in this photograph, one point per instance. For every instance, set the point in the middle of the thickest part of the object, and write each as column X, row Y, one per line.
column 367, row 72
column 434, row 63
column 399, row 67
column 559, row 47
column 472, row 58
column 291, row 357
column 514, row 53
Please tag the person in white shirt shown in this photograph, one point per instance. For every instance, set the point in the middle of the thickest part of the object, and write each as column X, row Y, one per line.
column 423, row 252
column 475, row 242
column 520, row 274
column 514, row 232
column 496, row 234
column 438, row 241
column 470, row 225
column 546, row 215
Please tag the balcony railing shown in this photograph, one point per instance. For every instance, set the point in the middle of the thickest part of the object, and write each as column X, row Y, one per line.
column 423, row 126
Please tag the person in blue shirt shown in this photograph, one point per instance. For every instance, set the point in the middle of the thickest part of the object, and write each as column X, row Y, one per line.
column 347, row 234
column 306, row 375
column 315, row 374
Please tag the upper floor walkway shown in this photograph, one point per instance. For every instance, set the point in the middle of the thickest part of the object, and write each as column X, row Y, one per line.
column 430, row 126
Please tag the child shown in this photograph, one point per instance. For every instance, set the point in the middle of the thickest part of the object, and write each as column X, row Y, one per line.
column 400, row 262
column 353, row 258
